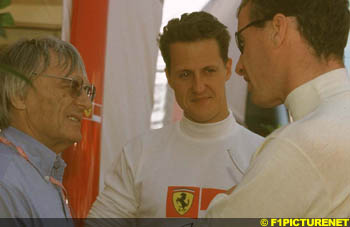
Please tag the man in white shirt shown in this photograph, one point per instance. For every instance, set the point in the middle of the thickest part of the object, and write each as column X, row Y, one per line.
column 176, row 171
column 292, row 53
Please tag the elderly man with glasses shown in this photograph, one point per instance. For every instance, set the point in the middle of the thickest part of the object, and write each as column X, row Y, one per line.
column 292, row 52
column 39, row 120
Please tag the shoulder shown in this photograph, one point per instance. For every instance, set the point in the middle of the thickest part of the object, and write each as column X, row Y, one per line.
column 325, row 125
column 246, row 138
column 244, row 143
column 11, row 191
column 147, row 144
column 8, row 157
column 13, row 202
column 164, row 132
column 151, row 139
column 247, row 134
column 315, row 137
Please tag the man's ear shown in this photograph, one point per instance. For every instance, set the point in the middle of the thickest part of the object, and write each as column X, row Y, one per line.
column 167, row 73
column 18, row 102
column 279, row 29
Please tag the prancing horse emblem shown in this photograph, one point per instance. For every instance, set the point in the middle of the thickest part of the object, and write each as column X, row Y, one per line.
column 88, row 112
column 182, row 200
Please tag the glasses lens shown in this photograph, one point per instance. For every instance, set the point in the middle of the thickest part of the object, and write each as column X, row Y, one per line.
column 76, row 86
column 239, row 42
column 90, row 92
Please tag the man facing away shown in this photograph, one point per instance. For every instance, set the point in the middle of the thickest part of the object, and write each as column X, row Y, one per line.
column 292, row 53
column 176, row 171
column 38, row 121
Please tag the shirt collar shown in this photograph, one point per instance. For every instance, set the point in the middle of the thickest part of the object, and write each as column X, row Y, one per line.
column 209, row 130
column 307, row 97
column 39, row 155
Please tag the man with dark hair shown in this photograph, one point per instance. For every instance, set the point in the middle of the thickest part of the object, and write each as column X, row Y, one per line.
column 38, row 121
column 292, row 53
column 176, row 171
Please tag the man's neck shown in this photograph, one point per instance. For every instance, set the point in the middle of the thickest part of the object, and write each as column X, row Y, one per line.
column 308, row 68
column 57, row 148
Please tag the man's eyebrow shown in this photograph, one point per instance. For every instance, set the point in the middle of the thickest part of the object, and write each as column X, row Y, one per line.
column 210, row 66
column 182, row 70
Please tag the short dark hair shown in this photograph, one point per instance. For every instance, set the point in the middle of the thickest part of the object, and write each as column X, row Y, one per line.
column 193, row 27
column 324, row 24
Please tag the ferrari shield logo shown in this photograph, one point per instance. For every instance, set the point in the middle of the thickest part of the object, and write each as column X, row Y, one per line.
column 182, row 200
column 87, row 112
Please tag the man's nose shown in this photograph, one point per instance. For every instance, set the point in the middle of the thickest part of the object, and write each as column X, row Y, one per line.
column 198, row 83
column 84, row 101
column 239, row 67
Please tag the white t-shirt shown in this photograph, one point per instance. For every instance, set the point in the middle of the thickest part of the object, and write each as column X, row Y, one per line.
column 303, row 169
column 177, row 170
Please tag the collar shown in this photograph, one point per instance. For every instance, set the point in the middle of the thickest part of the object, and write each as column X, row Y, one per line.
column 209, row 130
column 307, row 97
column 46, row 161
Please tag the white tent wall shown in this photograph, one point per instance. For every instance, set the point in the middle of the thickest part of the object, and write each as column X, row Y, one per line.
column 236, row 87
column 347, row 55
column 66, row 19
column 131, row 55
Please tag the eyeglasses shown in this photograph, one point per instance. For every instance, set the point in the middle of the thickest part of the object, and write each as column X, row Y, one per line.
column 77, row 86
column 239, row 40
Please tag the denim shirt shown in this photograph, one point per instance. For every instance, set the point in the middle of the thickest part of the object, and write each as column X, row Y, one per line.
column 25, row 189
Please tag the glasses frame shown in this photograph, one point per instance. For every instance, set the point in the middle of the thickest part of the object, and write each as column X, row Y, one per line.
column 238, row 38
column 89, row 90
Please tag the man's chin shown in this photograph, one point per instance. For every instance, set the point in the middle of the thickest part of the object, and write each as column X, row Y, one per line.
column 76, row 138
column 263, row 103
column 202, row 118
